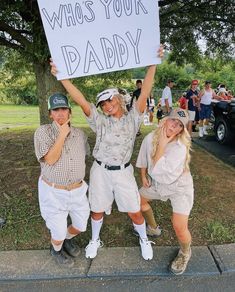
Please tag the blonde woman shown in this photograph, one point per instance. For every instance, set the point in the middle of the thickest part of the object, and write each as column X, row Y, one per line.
column 164, row 162
column 111, row 175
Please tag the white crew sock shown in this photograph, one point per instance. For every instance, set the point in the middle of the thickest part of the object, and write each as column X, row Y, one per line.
column 141, row 229
column 205, row 129
column 201, row 132
column 57, row 247
column 95, row 227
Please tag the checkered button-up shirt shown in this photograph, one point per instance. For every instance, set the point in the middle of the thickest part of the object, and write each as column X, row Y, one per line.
column 70, row 167
column 115, row 138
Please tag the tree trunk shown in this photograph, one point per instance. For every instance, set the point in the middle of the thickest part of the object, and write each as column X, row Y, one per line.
column 46, row 85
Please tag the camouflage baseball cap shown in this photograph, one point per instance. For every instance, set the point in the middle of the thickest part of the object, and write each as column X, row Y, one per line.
column 58, row 100
column 180, row 115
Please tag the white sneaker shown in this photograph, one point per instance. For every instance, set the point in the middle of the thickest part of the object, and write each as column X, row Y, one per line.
column 92, row 247
column 146, row 248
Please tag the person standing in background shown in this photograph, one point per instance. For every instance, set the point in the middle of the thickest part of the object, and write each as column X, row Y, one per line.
column 135, row 95
column 183, row 101
column 159, row 114
column 192, row 101
column 166, row 99
column 205, row 96
column 151, row 106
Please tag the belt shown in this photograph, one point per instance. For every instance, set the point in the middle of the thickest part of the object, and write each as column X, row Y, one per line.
column 61, row 187
column 113, row 167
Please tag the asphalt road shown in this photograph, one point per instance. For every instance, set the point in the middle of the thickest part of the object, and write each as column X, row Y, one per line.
column 199, row 284
column 226, row 153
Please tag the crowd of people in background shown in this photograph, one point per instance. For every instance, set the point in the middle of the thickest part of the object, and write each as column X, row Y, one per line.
column 196, row 100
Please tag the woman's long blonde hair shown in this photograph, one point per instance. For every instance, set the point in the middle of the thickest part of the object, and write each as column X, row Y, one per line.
column 122, row 103
column 183, row 137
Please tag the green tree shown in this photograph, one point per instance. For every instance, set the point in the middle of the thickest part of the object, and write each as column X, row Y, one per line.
column 17, row 80
column 182, row 24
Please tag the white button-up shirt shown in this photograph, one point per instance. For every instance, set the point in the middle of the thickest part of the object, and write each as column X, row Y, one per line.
column 168, row 172
column 166, row 94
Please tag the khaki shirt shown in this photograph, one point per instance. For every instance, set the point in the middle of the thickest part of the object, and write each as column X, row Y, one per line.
column 168, row 174
column 70, row 167
column 115, row 138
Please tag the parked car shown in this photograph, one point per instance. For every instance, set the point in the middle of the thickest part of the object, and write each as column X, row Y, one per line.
column 224, row 121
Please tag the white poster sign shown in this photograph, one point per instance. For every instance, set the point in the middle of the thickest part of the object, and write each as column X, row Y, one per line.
column 96, row 36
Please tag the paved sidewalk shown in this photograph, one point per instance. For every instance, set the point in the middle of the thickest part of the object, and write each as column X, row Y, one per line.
column 115, row 262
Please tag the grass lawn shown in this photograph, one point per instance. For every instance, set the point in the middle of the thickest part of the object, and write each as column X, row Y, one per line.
column 27, row 116
column 212, row 220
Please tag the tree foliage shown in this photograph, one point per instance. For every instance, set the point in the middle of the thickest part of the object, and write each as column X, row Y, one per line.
column 183, row 24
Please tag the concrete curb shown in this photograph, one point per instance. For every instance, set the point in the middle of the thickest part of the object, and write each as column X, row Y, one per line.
column 115, row 263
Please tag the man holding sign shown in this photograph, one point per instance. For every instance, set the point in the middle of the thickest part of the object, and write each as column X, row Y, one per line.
column 111, row 175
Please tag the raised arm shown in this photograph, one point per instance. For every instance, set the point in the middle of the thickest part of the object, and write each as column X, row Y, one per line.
column 146, row 88
column 73, row 91
column 147, row 84
column 77, row 96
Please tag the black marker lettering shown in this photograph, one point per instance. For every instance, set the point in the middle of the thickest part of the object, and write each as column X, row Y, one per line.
column 127, row 4
column 109, row 52
column 54, row 18
column 135, row 44
column 78, row 13
column 69, row 15
column 121, row 50
column 92, row 18
column 139, row 4
column 106, row 4
column 71, row 57
column 91, row 56
column 117, row 7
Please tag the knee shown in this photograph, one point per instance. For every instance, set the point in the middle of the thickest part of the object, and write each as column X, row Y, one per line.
column 180, row 229
column 97, row 216
column 73, row 230
column 145, row 206
column 137, row 217
column 56, row 242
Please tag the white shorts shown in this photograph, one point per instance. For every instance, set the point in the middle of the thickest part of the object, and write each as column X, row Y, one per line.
column 56, row 205
column 108, row 185
column 191, row 115
column 181, row 195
